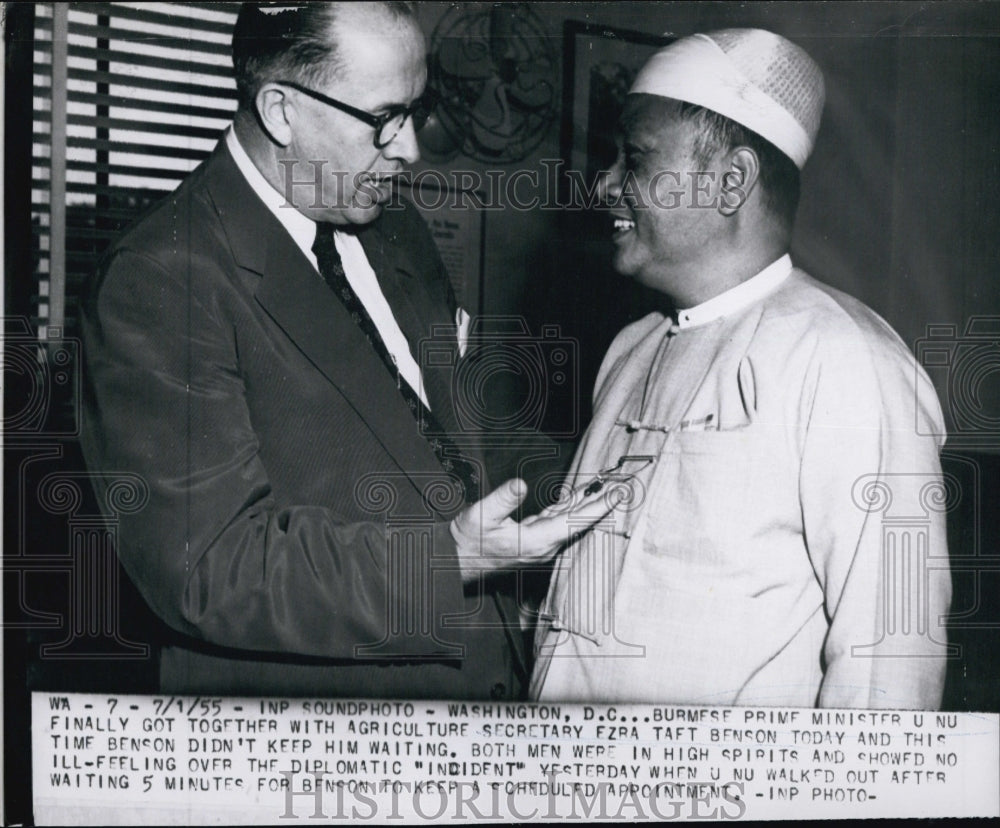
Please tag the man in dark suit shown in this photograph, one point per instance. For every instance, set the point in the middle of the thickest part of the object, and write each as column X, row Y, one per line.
column 307, row 529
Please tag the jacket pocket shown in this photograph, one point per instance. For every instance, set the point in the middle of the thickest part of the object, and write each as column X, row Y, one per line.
column 703, row 499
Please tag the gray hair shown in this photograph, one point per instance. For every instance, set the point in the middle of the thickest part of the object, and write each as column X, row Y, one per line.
column 272, row 40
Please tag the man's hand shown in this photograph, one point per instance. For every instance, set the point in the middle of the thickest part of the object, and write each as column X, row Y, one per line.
column 488, row 539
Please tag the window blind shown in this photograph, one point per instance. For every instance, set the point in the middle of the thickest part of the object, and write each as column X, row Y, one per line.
column 127, row 99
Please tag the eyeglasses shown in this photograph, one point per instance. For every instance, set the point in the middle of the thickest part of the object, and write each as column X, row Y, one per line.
column 387, row 125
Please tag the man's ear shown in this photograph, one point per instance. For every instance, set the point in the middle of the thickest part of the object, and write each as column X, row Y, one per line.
column 739, row 180
column 273, row 112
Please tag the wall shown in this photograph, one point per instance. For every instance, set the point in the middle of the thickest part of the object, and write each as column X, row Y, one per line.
column 900, row 198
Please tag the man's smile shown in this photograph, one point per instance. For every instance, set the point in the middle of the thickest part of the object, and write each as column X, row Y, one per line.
column 621, row 226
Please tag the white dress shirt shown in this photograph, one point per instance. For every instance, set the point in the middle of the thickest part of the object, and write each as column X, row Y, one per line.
column 359, row 272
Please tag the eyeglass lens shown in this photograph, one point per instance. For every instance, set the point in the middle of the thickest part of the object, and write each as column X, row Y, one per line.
column 391, row 128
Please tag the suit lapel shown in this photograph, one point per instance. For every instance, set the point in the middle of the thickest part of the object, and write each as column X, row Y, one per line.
column 421, row 319
column 297, row 299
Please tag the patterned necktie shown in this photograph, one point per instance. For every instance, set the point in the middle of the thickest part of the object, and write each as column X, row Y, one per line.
column 331, row 268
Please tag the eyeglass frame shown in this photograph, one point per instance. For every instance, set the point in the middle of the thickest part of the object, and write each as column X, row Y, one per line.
column 377, row 122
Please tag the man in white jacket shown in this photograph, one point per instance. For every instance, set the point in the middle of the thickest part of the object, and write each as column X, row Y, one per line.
column 771, row 432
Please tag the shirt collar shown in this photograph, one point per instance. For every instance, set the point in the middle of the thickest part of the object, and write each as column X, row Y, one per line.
column 737, row 298
column 300, row 228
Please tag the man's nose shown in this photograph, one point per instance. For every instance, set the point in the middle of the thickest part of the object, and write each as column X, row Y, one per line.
column 609, row 184
column 404, row 146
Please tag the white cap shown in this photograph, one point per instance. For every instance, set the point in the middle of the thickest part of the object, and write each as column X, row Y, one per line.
column 751, row 76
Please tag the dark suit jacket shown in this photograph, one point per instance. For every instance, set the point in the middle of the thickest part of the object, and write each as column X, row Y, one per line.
column 295, row 537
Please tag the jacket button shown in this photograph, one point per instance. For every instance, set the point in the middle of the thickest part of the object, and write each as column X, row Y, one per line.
column 498, row 690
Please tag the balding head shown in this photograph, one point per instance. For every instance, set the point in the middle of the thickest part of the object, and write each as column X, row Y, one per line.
column 301, row 41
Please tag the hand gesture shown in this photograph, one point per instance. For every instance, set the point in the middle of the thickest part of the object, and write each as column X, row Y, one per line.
column 488, row 538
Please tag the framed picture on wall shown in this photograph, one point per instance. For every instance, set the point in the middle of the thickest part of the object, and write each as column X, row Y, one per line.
column 599, row 65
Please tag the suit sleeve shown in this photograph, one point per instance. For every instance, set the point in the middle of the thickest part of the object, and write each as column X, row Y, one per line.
column 211, row 551
column 871, row 488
